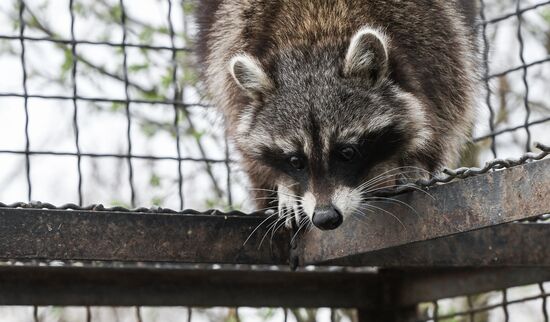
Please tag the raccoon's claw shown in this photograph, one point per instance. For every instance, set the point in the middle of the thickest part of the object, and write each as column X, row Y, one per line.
column 285, row 213
column 289, row 212
column 297, row 217
column 288, row 222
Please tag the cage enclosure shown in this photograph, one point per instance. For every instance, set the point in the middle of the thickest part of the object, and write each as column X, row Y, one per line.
column 103, row 120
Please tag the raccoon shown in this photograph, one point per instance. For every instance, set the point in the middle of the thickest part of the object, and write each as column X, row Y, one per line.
column 329, row 99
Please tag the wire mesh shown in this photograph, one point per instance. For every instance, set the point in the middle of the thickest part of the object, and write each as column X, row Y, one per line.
column 479, row 307
column 178, row 103
column 184, row 110
column 443, row 310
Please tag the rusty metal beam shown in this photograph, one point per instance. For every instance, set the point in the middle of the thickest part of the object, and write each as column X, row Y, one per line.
column 156, row 284
column 201, row 238
column 429, row 285
column 491, row 199
column 153, row 286
column 508, row 245
column 99, row 235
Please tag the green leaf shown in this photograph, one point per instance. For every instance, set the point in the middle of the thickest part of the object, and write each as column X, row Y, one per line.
column 152, row 96
column 166, row 80
column 212, row 203
column 115, row 12
column 190, row 77
column 67, row 62
column 163, row 30
column 149, row 129
column 154, row 181
column 79, row 9
column 267, row 313
column 157, row 201
column 119, row 203
column 545, row 13
column 188, row 7
column 138, row 67
column 146, row 35
column 116, row 106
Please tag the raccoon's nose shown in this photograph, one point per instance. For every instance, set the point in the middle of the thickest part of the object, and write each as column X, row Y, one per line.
column 327, row 218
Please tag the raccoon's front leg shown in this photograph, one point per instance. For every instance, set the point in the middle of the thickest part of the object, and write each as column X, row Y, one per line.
column 289, row 205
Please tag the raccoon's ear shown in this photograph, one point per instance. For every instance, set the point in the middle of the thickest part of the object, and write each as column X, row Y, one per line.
column 249, row 75
column 367, row 55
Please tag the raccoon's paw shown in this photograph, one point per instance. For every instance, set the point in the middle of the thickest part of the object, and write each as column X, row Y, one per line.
column 290, row 213
column 293, row 216
column 289, row 209
column 413, row 174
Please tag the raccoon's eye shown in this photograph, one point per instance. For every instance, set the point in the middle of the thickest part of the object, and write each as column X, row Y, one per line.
column 296, row 162
column 347, row 153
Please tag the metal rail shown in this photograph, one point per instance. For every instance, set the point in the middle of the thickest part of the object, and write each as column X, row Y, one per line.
column 473, row 203
column 430, row 285
column 141, row 251
column 508, row 245
column 27, row 234
column 445, row 231
column 156, row 284
column 150, row 285
column 30, row 234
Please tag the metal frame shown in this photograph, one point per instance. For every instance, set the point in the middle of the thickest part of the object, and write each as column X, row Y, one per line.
column 28, row 234
column 435, row 225
column 154, row 249
column 148, row 284
column 132, row 285
column 87, row 244
column 473, row 203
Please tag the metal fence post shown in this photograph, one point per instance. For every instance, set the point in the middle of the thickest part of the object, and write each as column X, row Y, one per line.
column 388, row 314
column 390, row 308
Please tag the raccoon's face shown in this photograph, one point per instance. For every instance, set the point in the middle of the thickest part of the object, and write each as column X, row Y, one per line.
column 325, row 121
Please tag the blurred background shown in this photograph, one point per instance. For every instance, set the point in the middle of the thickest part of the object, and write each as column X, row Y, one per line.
column 85, row 119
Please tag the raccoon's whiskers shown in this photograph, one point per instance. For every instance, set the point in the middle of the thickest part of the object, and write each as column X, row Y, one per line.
column 251, row 198
column 360, row 215
column 301, row 225
column 310, row 225
column 358, row 210
column 390, row 172
column 288, row 188
column 266, row 208
column 388, row 175
column 381, row 182
column 277, row 228
column 257, row 227
column 275, row 191
column 270, row 227
column 292, row 185
column 387, row 212
column 400, row 185
column 263, row 198
column 273, row 225
column 289, row 215
column 391, row 200
column 359, row 218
